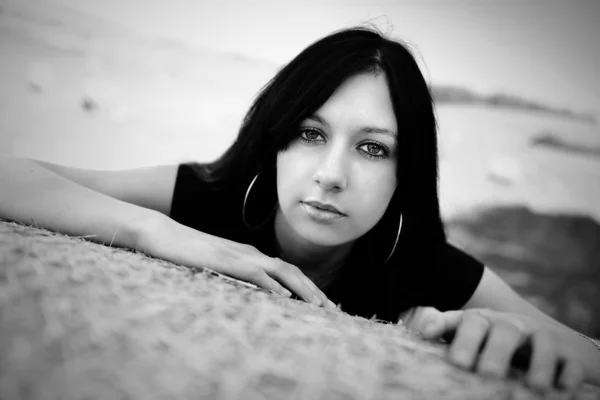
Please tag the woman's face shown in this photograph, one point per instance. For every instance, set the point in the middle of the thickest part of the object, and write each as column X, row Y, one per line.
column 345, row 157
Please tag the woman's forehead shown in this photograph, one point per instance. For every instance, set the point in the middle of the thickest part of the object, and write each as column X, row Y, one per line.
column 362, row 101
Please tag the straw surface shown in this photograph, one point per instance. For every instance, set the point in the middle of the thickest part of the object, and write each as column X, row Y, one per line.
column 80, row 320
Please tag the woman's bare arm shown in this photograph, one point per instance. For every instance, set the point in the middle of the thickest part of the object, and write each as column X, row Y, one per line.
column 33, row 194
column 495, row 294
column 492, row 325
column 149, row 187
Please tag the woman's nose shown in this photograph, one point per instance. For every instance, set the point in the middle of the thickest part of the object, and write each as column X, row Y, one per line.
column 331, row 171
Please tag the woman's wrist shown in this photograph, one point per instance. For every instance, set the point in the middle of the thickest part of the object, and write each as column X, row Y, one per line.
column 595, row 342
column 580, row 347
column 145, row 226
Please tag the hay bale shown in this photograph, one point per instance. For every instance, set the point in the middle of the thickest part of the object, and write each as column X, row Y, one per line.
column 80, row 320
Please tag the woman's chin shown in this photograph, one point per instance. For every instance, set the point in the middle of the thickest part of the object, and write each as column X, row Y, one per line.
column 319, row 233
column 324, row 236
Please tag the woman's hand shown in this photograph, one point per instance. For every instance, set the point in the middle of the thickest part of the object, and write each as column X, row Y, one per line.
column 489, row 342
column 166, row 239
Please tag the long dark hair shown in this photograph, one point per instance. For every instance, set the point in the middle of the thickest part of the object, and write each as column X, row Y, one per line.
column 301, row 87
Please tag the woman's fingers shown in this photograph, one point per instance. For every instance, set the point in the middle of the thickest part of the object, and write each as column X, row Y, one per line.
column 571, row 376
column 469, row 336
column 433, row 324
column 543, row 362
column 318, row 292
column 502, row 341
column 299, row 283
column 490, row 343
column 262, row 279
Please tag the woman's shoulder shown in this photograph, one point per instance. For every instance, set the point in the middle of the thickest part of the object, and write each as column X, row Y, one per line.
column 199, row 201
column 193, row 172
column 446, row 281
column 189, row 189
column 451, row 254
column 453, row 279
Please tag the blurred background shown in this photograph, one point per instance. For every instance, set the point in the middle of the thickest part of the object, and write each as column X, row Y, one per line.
column 112, row 84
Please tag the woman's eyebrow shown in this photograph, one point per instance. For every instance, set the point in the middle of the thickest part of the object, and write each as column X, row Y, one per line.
column 365, row 129
column 369, row 129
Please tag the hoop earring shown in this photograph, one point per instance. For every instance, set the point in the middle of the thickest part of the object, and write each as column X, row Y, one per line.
column 244, row 208
column 396, row 242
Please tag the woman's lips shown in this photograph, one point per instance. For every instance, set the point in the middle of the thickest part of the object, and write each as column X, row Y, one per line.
column 323, row 206
column 320, row 215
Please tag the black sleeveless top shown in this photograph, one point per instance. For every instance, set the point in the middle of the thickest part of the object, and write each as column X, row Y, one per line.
column 361, row 289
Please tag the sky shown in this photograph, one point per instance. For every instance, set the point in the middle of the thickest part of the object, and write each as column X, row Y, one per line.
column 544, row 50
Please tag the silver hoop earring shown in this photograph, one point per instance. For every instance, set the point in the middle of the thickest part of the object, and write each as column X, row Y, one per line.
column 396, row 242
column 244, row 208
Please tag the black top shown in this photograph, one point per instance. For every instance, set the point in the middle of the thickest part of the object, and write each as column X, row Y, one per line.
column 363, row 289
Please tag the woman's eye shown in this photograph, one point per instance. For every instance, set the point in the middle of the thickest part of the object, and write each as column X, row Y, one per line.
column 374, row 149
column 309, row 134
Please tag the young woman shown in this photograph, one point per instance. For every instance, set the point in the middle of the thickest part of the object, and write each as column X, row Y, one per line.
column 330, row 191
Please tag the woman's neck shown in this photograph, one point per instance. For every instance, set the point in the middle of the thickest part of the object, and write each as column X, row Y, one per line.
column 311, row 258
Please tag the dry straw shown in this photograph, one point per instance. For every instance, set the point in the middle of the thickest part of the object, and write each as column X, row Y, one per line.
column 80, row 320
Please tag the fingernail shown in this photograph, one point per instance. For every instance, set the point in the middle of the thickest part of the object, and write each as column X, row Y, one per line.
column 286, row 293
column 331, row 304
column 315, row 300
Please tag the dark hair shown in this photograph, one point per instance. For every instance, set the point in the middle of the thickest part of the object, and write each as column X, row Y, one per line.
column 302, row 86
